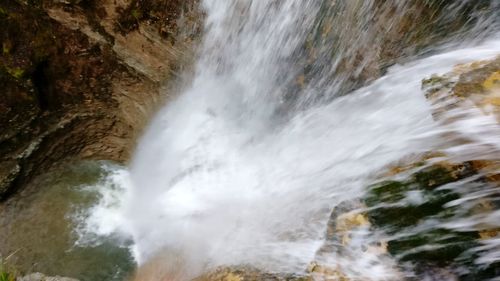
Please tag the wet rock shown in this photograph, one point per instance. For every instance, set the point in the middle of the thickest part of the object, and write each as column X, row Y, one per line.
column 8, row 174
column 168, row 265
column 349, row 236
column 248, row 274
column 315, row 271
column 470, row 90
column 469, row 85
column 322, row 272
column 344, row 219
column 420, row 191
column 418, row 197
column 413, row 211
column 42, row 277
column 369, row 36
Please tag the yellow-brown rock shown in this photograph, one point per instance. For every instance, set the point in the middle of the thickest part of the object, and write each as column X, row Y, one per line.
column 475, row 84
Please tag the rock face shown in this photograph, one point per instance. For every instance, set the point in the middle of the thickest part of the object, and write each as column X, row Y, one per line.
column 83, row 77
column 366, row 37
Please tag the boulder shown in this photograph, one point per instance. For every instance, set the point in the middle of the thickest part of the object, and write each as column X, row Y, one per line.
column 413, row 212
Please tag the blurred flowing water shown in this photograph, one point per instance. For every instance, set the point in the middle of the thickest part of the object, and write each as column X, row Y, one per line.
column 246, row 165
column 295, row 107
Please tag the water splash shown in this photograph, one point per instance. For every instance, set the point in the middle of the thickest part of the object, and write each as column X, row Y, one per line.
column 231, row 172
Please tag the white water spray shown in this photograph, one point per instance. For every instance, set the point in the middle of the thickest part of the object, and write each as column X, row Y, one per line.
column 224, row 177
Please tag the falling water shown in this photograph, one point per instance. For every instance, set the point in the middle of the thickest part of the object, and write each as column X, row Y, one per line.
column 246, row 165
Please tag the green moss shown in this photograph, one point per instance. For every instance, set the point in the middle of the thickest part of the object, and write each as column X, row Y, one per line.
column 389, row 192
column 5, row 49
column 3, row 12
column 136, row 13
column 434, row 80
column 442, row 246
column 387, row 198
column 16, row 72
column 391, row 209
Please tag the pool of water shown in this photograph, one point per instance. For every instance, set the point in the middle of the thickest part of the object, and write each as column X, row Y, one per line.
column 38, row 227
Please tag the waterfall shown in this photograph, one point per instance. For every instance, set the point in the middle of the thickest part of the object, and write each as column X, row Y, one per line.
column 288, row 115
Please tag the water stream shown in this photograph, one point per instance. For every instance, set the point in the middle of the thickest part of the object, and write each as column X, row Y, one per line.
column 235, row 171
column 246, row 165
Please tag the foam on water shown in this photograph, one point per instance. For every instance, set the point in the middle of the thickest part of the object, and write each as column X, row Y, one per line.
column 223, row 179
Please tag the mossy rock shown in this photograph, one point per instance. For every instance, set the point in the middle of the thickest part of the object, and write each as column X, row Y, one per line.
column 475, row 84
column 408, row 202
column 402, row 208
column 439, row 246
